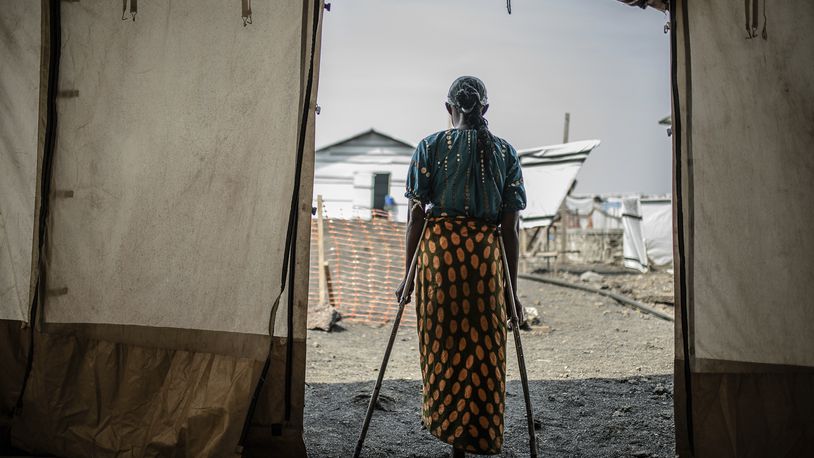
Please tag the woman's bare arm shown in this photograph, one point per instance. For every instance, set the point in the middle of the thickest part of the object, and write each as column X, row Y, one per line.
column 415, row 222
column 510, row 229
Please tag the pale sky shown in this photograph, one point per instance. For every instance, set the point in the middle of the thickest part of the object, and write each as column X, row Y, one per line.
column 387, row 64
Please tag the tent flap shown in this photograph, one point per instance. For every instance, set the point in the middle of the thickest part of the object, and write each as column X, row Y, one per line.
column 19, row 112
column 174, row 156
column 745, row 176
column 178, row 139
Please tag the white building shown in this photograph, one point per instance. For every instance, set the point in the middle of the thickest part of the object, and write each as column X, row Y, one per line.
column 355, row 175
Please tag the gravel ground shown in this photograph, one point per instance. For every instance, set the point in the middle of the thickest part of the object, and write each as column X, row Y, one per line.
column 600, row 377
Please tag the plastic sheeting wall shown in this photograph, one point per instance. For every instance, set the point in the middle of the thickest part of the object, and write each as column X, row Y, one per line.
column 19, row 109
column 657, row 227
column 743, row 117
column 634, row 250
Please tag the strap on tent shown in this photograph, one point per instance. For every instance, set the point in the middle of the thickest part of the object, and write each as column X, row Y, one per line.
column 54, row 48
column 289, row 258
column 247, row 12
column 294, row 214
column 133, row 9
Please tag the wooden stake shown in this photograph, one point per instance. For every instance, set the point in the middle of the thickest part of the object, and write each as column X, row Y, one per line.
column 566, row 127
column 562, row 234
column 321, row 254
column 523, row 267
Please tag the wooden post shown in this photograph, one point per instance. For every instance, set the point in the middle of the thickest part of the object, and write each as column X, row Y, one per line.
column 523, row 267
column 566, row 127
column 562, row 236
column 547, row 247
column 321, row 254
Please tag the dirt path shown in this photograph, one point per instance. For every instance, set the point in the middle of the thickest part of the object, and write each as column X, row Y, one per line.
column 600, row 375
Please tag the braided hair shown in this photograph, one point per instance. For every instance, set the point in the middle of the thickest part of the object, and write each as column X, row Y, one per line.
column 468, row 94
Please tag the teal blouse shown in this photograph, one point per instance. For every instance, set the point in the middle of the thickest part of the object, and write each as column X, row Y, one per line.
column 446, row 174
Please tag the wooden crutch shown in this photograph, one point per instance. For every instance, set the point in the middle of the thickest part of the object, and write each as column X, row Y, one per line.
column 405, row 297
column 521, row 360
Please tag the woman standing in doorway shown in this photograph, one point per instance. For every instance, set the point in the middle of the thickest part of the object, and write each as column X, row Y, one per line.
column 465, row 182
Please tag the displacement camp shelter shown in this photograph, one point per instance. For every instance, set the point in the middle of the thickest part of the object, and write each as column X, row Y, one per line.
column 646, row 223
column 548, row 174
column 155, row 189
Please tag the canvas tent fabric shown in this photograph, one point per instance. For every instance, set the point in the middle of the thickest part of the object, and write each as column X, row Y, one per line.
column 548, row 174
column 214, row 166
column 744, row 179
column 178, row 141
column 19, row 120
column 19, row 93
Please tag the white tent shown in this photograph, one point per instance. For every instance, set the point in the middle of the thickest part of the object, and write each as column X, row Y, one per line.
column 657, row 228
column 635, row 253
column 549, row 173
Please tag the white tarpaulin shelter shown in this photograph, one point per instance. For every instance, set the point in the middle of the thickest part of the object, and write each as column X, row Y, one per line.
column 647, row 223
column 152, row 176
column 657, row 227
column 548, row 174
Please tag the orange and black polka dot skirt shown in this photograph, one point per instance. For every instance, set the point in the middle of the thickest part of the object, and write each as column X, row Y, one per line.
column 462, row 331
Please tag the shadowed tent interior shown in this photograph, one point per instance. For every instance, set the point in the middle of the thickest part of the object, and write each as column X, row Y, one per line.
column 157, row 175
column 145, row 234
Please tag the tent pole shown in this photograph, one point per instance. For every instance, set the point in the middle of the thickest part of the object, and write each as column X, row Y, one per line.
column 566, row 127
column 405, row 297
column 521, row 360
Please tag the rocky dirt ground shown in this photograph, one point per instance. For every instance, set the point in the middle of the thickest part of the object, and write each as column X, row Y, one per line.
column 600, row 373
column 654, row 288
